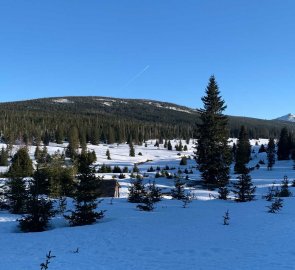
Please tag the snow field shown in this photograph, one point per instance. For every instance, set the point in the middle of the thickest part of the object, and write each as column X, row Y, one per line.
column 170, row 237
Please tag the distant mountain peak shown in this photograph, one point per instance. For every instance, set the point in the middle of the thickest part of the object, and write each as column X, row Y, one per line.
column 288, row 117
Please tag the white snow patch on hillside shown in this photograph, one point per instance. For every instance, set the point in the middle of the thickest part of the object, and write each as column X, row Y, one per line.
column 62, row 100
column 159, row 105
column 177, row 109
column 288, row 117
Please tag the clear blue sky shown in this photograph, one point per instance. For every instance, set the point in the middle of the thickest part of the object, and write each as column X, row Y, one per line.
column 155, row 49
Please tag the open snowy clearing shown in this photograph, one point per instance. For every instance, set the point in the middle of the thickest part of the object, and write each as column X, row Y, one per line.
column 170, row 237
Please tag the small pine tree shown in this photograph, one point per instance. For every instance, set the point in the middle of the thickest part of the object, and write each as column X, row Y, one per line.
column 165, row 144
column 135, row 168
column 147, row 204
column 136, row 191
column 39, row 211
column 262, row 149
column 179, row 146
column 154, row 192
column 183, row 161
column 244, row 188
column 186, row 200
column 185, row 148
column 45, row 265
column 42, row 155
column 276, row 206
column 223, row 193
column 285, row 192
column 121, row 176
column 178, row 191
column 169, row 146
column 117, row 169
column 131, row 150
column 226, row 218
column 108, row 154
column 272, row 192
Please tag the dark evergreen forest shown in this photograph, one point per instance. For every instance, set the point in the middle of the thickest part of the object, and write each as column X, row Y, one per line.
column 101, row 119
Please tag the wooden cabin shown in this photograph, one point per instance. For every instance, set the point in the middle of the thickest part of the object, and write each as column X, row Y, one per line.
column 109, row 188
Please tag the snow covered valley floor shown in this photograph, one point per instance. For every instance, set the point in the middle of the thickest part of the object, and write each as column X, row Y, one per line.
column 170, row 237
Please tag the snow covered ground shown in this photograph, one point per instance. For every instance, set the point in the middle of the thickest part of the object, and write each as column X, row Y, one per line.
column 170, row 237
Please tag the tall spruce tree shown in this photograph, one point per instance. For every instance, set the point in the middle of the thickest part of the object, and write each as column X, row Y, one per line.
column 271, row 154
column 73, row 138
column 213, row 152
column 284, row 145
column 243, row 152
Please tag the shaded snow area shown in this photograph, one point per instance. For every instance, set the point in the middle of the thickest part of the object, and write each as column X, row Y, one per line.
column 170, row 237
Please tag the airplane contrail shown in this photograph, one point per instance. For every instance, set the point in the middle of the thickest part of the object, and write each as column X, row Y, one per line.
column 136, row 76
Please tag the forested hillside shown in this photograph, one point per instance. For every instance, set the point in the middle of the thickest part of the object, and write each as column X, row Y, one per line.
column 111, row 120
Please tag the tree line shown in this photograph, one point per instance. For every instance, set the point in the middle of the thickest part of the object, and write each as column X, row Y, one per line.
column 136, row 121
